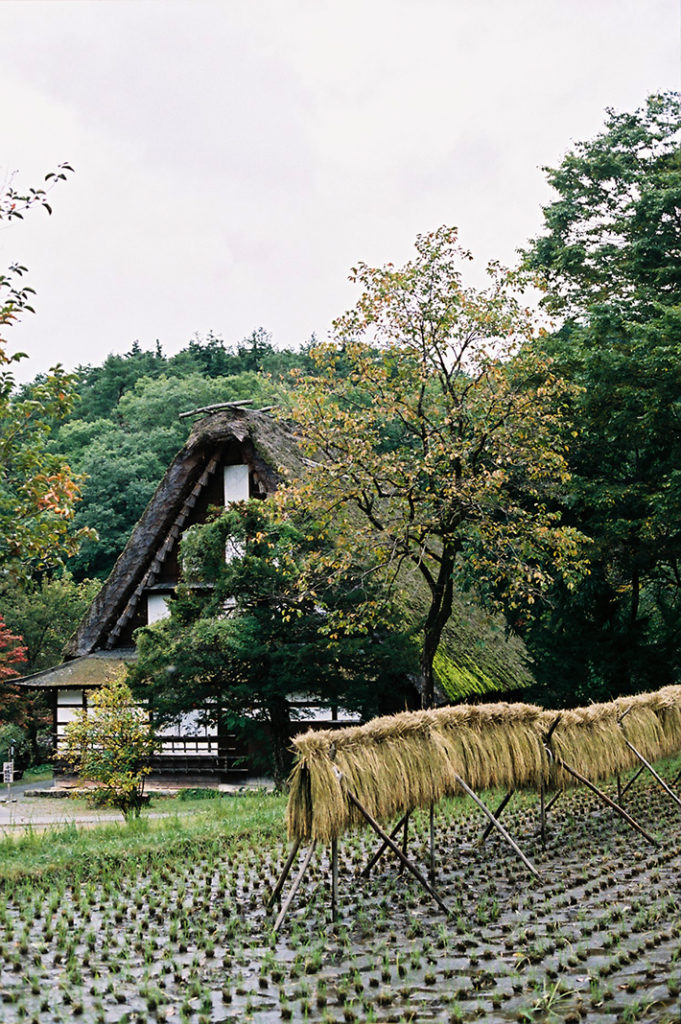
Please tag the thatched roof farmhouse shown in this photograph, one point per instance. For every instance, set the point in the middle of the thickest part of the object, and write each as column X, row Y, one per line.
column 231, row 454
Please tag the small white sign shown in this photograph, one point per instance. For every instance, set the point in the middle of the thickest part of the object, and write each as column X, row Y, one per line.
column 8, row 771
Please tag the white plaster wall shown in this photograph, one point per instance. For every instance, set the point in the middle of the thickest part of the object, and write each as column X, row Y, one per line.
column 236, row 484
column 157, row 607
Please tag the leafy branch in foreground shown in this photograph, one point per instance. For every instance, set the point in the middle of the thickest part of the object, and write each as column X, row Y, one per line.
column 110, row 743
column 38, row 491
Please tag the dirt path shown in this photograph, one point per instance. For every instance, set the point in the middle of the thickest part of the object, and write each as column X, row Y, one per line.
column 21, row 811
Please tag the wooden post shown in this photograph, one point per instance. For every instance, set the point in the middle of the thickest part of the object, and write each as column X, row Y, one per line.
column 294, row 888
column 552, row 801
column 431, row 859
column 364, row 873
column 542, row 816
column 632, row 780
column 496, row 824
column 485, row 835
column 619, row 789
column 334, row 880
column 652, row 771
column 606, row 799
column 284, row 875
column 396, row 850
column 405, row 842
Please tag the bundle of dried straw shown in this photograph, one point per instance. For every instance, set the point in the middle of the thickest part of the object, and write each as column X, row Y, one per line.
column 397, row 763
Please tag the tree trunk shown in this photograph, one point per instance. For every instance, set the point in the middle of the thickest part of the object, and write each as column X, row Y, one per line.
column 436, row 620
column 280, row 725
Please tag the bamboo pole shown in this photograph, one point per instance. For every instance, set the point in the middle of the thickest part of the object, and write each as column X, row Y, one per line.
column 284, row 874
column 364, row 873
column 294, row 888
column 431, row 857
column 488, row 828
column 542, row 816
column 632, row 780
column 396, row 850
column 606, row 799
column 652, row 771
column 334, row 880
column 496, row 824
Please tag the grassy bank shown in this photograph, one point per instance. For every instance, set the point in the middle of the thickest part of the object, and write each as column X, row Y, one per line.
column 200, row 827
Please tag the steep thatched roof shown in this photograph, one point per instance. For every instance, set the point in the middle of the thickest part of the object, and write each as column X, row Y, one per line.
column 266, row 446
column 395, row 764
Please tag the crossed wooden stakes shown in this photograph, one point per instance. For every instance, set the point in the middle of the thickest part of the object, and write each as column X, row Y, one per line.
column 616, row 806
column 389, row 840
column 387, row 843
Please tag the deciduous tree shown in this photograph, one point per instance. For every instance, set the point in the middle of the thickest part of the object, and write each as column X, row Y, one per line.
column 37, row 489
column 441, row 432
column 111, row 743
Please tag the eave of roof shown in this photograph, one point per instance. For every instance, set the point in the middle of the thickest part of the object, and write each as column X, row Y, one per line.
column 90, row 670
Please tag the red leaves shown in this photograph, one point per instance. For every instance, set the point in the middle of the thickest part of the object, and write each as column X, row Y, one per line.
column 12, row 652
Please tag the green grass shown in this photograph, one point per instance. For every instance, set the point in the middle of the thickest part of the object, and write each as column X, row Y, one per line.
column 81, row 853
column 39, row 773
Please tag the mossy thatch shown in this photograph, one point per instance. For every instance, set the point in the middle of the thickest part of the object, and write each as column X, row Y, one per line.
column 397, row 763
column 477, row 657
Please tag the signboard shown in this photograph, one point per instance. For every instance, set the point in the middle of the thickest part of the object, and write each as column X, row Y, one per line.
column 8, row 771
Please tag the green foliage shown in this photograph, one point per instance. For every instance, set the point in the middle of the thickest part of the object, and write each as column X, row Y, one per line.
column 111, row 743
column 609, row 250
column 13, row 738
column 443, row 431
column 45, row 613
column 124, row 428
column 38, row 491
column 609, row 253
column 247, row 635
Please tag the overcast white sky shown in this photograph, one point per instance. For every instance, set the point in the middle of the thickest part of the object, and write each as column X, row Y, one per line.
column 234, row 159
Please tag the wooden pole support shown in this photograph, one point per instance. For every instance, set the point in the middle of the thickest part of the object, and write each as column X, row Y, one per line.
column 606, row 799
column 552, row 801
column 632, row 780
column 488, row 829
column 294, row 888
column 542, row 815
column 431, row 852
column 396, row 850
column 334, row 880
column 384, row 846
column 405, row 842
column 496, row 824
column 284, row 875
column 652, row 771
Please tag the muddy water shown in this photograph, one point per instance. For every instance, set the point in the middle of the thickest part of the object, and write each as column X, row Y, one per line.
column 598, row 938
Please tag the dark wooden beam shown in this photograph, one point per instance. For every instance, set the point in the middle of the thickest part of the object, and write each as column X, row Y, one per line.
column 497, row 825
column 488, row 829
column 396, row 850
